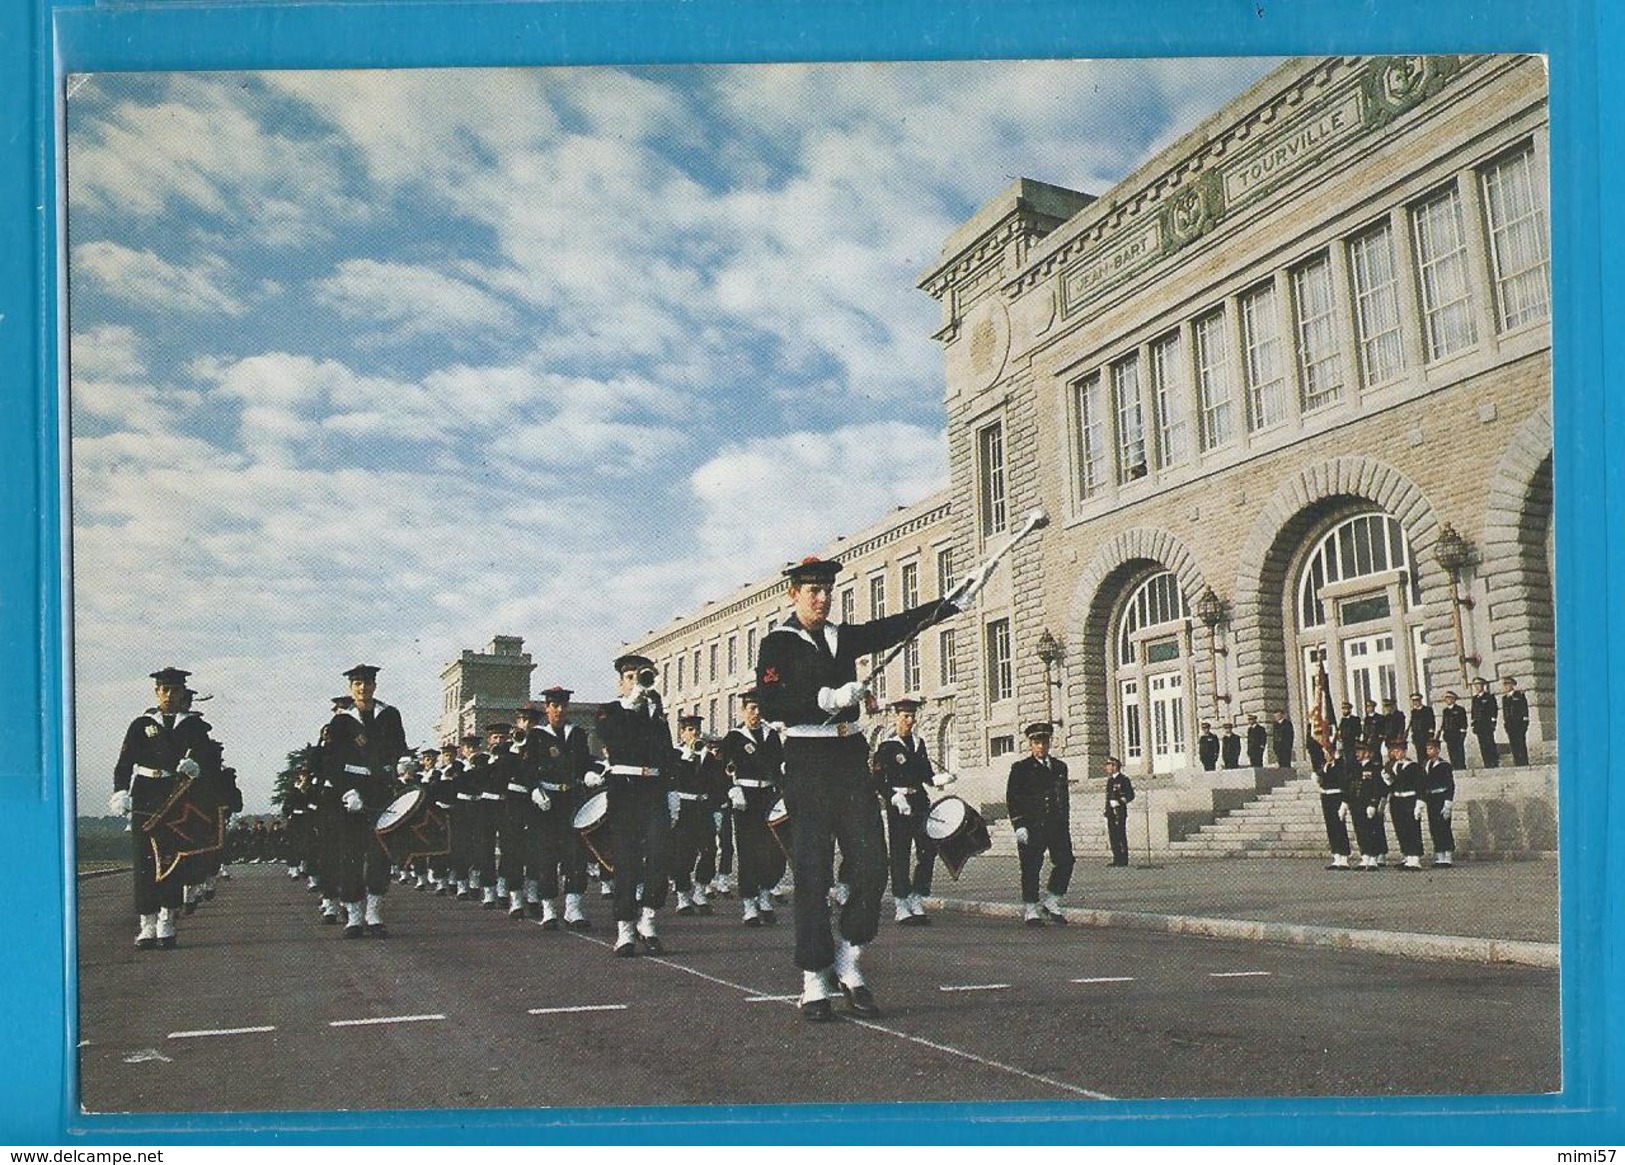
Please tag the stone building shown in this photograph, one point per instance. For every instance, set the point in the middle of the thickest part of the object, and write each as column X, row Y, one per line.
column 1253, row 384
column 483, row 687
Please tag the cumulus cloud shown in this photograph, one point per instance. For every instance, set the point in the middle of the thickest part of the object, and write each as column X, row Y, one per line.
column 143, row 279
column 411, row 300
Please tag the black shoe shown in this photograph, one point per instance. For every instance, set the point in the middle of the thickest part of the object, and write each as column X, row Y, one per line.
column 703, row 908
column 377, row 930
column 769, row 918
column 1052, row 916
column 581, row 924
column 463, row 895
column 330, row 919
column 516, row 915
column 817, row 1011
column 534, row 909
column 754, row 920
column 651, row 944
column 1035, row 920
column 685, row 910
column 313, row 889
column 208, row 895
column 860, row 999
column 491, row 905
column 167, row 944
column 189, row 908
column 550, row 924
column 355, row 931
column 146, row 944
column 626, row 950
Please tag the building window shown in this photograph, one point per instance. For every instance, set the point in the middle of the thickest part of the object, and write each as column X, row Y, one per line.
column 1130, row 420
column 1261, row 348
column 911, row 666
column 1133, row 737
column 1172, row 390
column 849, row 605
column 1157, row 600
column 750, row 646
column 680, row 660
column 733, row 654
column 1441, row 253
column 878, row 685
column 1376, row 304
column 1320, row 356
column 1000, row 681
column 1152, row 672
column 665, row 677
column 712, row 653
column 1091, row 437
column 1213, row 379
column 1514, row 199
column 733, row 714
column 696, row 672
column 1001, row 746
column 947, row 667
column 945, row 571
column 990, row 476
column 711, row 718
column 1367, row 545
column 911, row 585
column 877, row 597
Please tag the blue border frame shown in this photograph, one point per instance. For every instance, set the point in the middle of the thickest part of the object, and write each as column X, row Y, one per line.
column 1581, row 38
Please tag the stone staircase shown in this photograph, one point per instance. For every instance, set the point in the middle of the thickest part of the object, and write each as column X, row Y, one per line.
column 1284, row 822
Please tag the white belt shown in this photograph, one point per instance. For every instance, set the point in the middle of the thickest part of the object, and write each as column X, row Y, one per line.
column 513, row 788
column 691, row 796
column 555, row 788
column 465, row 796
column 144, row 771
column 744, row 784
column 358, row 770
column 1437, row 792
column 841, row 730
column 633, row 771
column 490, row 796
column 1397, row 793
column 905, row 789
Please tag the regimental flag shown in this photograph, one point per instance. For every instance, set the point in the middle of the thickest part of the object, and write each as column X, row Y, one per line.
column 1323, row 712
column 192, row 821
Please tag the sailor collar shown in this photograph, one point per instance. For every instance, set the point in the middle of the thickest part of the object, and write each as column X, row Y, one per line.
column 355, row 713
column 564, row 735
column 832, row 632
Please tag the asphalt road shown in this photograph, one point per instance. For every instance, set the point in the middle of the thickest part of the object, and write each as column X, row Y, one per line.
column 264, row 1009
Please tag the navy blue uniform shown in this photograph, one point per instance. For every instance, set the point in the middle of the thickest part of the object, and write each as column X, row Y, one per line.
column 1037, row 797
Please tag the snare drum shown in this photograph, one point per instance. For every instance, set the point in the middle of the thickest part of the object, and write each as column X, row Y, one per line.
column 413, row 826
column 778, row 824
column 590, row 821
column 958, row 831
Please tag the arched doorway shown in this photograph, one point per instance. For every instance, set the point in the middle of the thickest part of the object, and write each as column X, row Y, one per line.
column 1152, row 681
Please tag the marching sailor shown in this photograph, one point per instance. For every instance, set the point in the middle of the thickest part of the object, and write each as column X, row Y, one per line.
column 565, row 759
column 519, row 781
column 904, row 778
column 690, row 805
column 753, row 756
column 365, row 745
column 160, row 748
column 1037, row 796
column 806, row 677
column 638, row 741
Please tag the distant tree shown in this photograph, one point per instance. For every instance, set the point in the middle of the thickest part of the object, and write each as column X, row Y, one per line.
column 283, row 786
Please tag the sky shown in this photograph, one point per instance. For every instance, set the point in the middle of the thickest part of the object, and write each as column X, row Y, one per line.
column 373, row 366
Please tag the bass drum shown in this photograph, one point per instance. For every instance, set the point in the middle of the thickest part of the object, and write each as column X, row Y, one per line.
column 590, row 821
column 958, row 831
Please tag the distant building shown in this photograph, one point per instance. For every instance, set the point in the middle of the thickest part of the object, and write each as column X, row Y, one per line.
column 484, row 687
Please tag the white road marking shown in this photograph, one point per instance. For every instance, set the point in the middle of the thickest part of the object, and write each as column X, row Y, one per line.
column 772, row 998
column 1238, row 974
column 583, row 1007
column 221, row 1031
column 1107, row 979
column 146, row 1054
column 977, row 987
column 872, row 1026
column 382, row 1019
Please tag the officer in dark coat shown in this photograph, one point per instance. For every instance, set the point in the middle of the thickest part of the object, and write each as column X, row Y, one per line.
column 806, row 674
column 1368, row 799
column 1037, row 797
column 1485, row 712
column 364, row 748
column 161, row 748
column 1405, row 806
column 1207, row 747
column 1420, row 727
column 1229, row 747
column 1439, row 795
column 1281, row 734
column 753, row 760
column 1374, row 728
column 1258, row 738
column 1453, row 730
column 1393, row 720
column 690, row 804
column 1119, row 792
column 1515, row 719
column 904, row 778
column 641, row 759
column 565, row 759
column 1350, row 731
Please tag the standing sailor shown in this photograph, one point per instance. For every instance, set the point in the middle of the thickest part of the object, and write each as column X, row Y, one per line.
column 364, row 747
column 753, row 759
column 1119, row 792
column 806, row 674
column 161, row 748
column 904, row 778
column 1439, row 795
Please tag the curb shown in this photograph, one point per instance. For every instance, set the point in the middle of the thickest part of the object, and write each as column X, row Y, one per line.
column 1448, row 948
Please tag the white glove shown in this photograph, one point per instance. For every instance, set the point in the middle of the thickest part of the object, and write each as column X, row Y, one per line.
column 593, row 779
column 1371, row 811
column 848, row 695
column 1343, row 812
column 119, row 802
column 674, row 806
column 1421, row 809
column 404, row 766
column 1021, row 835
column 540, row 799
column 943, row 780
column 736, row 797
column 900, row 803
column 1114, row 803
column 352, row 801
column 1444, row 810
column 189, row 768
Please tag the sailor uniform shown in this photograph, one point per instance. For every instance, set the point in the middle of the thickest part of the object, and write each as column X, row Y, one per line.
column 1369, row 795
column 1037, row 797
column 641, row 756
column 1281, row 734
column 1230, row 749
column 1439, row 795
column 1404, row 779
column 1486, row 710
column 1207, row 750
column 1258, row 738
column 689, row 803
column 1119, row 792
column 563, row 759
column 517, row 776
column 1453, row 729
column 1515, row 719
column 1420, row 728
column 362, row 750
column 1333, row 782
column 754, row 762
column 902, row 766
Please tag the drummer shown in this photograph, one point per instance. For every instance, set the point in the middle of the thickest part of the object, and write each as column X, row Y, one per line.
column 365, row 744
column 1037, row 799
column 557, row 855
column 638, row 742
column 690, row 805
column 753, row 758
column 903, row 777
